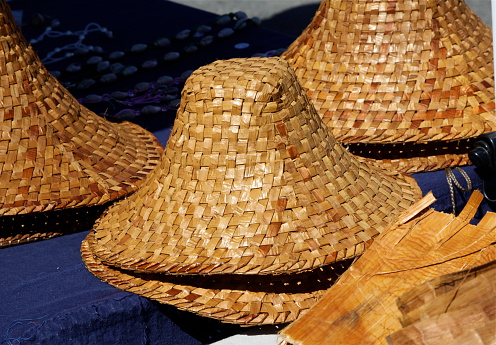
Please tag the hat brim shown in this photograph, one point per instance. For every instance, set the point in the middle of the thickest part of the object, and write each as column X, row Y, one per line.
column 245, row 300
column 102, row 173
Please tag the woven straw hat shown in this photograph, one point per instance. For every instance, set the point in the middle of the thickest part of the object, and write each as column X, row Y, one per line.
column 55, row 153
column 408, row 84
column 250, row 182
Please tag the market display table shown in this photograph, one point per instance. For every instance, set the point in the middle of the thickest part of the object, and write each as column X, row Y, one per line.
column 47, row 295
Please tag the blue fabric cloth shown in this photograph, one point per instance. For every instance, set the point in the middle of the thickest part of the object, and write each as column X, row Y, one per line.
column 436, row 183
column 49, row 297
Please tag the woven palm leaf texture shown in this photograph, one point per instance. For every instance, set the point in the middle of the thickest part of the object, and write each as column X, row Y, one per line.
column 54, row 153
column 361, row 307
column 457, row 308
column 251, row 184
column 406, row 84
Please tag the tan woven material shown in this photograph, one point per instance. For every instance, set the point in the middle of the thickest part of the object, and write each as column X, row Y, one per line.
column 251, row 182
column 242, row 299
column 54, row 153
column 403, row 72
column 360, row 308
column 457, row 308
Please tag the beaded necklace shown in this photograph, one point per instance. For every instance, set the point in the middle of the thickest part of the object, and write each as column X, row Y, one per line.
column 96, row 68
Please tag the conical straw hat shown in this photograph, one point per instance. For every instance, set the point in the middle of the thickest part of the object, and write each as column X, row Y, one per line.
column 251, row 182
column 55, row 153
column 416, row 72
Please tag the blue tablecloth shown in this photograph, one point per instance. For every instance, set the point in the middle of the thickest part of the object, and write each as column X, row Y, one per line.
column 49, row 297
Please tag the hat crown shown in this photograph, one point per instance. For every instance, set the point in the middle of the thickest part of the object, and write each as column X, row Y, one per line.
column 398, row 71
column 389, row 28
column 255, row 134
column 26, row 84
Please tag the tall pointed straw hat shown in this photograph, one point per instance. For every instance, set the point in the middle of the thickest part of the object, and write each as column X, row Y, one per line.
column 405, row 84
column 250, row 182
column 54, row 153
column 253, row 199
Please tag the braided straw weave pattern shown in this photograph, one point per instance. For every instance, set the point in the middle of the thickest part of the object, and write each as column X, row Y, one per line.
column 389, row 72
column 251, row 182
column 241, row 299
column 54, row 153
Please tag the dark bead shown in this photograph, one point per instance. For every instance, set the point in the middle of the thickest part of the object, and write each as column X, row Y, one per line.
column 191, row 48
column 242, row 45
column 182, row 35
column 185, row 75
column 139, row 47
column 168, row 98
column 150, row 110
column 172, row 90
column 174, row 104
column 116, row 55
column 86, row 84
column 172, row 56
column 226, row 32
column 165, row 80
column 130, row 70
column 126, row 114
column 140, row 87
column 94, row 60
column 206, row 41
column 149, row 64
column 241, row 15
column 92, row 98
column 108, row 78
column 73, row 68
column 119, row 95
column 241, row 24
column 98, row 49
column 203, row 29
column 223, row 20
column 162, row 42
column 103, row 66
column 117, row 67
column 256, row 20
